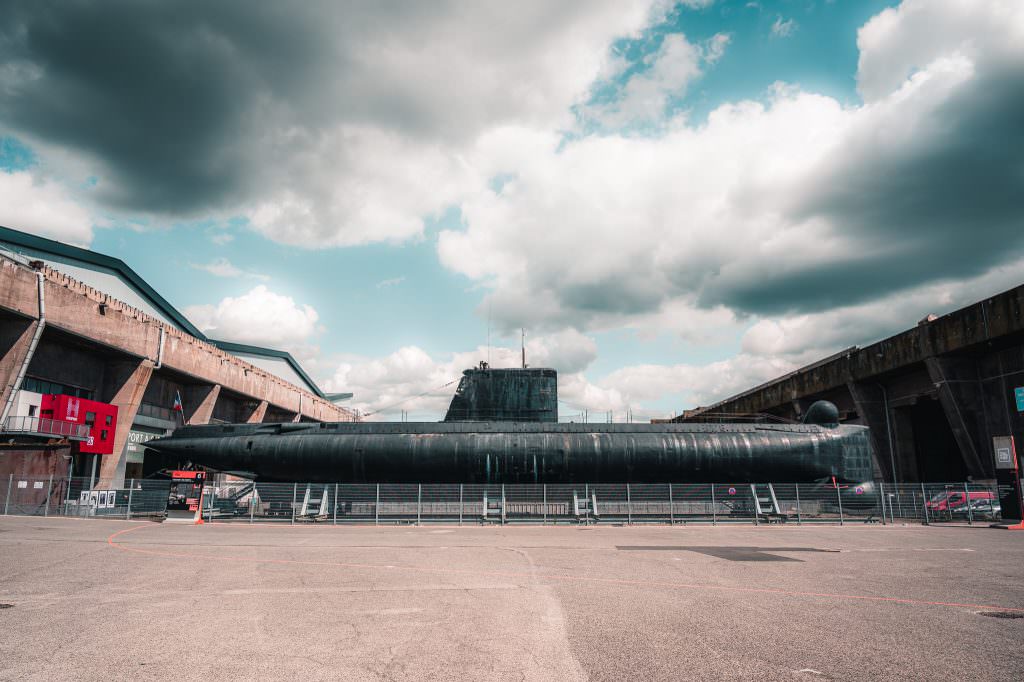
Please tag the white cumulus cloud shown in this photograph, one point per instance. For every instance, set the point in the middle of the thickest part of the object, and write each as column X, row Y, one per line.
column 43, row 207
column 259, row 317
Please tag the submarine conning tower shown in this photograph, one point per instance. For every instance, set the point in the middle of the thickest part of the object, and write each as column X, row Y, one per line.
column 506, row 395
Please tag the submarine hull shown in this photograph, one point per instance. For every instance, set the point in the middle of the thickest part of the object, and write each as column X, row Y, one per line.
column 502, row 452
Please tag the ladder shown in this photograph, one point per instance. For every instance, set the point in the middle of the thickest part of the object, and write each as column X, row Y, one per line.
column 314, row 503
column 766, row 505
column 494, row 508
column 585, row 507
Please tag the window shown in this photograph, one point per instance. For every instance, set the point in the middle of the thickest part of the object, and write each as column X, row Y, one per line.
column 31, row 410
column 90, row 418
column 103, row 434
column 37, row 385
column 110, row 419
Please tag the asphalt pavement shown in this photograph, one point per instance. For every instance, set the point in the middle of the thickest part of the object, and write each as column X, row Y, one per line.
column 112, row 600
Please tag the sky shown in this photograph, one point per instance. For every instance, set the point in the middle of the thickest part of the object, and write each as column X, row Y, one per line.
column 676, row 201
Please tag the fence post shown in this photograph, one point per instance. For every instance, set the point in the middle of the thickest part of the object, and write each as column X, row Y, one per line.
column 881, row 499
column 252, row 501
column 295, row 494
column 335, row 504
column 586, row 494
column 967, row 495
column 7, row 500
column 924, row 505
column 629, row 507
column 460, row 504
column 714, row 512
column 376, row 508
column 419, row 502
column 131, row 489
column 49, row 488
column 213, row 498
column 503, row 503
column 840, row 498
column 671, row 507
column 544, row 489
column 67, row 495
column 799, row 519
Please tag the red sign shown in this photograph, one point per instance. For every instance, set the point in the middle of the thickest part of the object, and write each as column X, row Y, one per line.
column 188, row 475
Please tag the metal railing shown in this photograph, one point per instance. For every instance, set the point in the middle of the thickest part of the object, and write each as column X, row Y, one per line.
column 663, row 503
column 678, row 503
column 45, row 426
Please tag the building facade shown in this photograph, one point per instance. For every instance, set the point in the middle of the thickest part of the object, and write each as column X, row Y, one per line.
column 81, row 334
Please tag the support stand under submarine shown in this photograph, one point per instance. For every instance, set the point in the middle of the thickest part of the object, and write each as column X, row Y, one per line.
column 502, row 427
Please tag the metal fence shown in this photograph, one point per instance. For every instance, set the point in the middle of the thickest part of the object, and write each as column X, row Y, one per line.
column 73, row 497
column 676, row 503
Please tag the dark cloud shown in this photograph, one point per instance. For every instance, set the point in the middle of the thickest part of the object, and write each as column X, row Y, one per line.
column 944, row 203
column 193, row 106
column 152, row 94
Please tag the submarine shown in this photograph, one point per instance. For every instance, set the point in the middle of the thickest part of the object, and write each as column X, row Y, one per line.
column 502, row 427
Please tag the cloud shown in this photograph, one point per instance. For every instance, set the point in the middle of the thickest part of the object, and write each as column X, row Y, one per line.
column 387, row 283
column 645, row 95
column 222, row 267
column 783, row 28
column 666, row 74
column 791, row 205
column 714, row 47
column 259, row 317
column 351, row 129
column 222, row 238
column 43, row 207
column 410, row 379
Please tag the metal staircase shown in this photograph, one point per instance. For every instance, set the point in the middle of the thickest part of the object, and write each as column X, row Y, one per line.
column 585, row 507
column 314, row 503
column 494, row 508
column 766, row 505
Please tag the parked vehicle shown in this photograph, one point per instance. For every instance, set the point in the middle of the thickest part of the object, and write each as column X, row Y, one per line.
column 986, row 509
column 955, row 501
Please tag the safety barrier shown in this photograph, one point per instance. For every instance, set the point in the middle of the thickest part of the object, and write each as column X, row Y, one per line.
column 673, row 503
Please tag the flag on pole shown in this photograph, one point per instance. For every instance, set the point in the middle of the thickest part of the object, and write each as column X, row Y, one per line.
column 178, row 406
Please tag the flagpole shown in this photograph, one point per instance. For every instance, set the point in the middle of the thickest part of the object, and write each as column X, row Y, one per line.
column 179, row 406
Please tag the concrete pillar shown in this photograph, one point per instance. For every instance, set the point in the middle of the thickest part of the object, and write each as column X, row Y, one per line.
column 907, row 469
column 870, row 401
column 198, row 401
column 15, row 340
column 124, row 384
column 960, row 394
column 258, row 413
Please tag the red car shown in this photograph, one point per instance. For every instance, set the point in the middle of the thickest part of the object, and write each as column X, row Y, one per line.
column 955, row 500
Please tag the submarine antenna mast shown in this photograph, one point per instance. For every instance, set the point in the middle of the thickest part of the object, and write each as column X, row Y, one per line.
column 522, row 340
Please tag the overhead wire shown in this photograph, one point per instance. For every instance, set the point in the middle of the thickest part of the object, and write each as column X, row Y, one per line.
column 407, row 399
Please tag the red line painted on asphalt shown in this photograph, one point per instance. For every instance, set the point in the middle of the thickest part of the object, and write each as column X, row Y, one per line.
column 551, row 576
